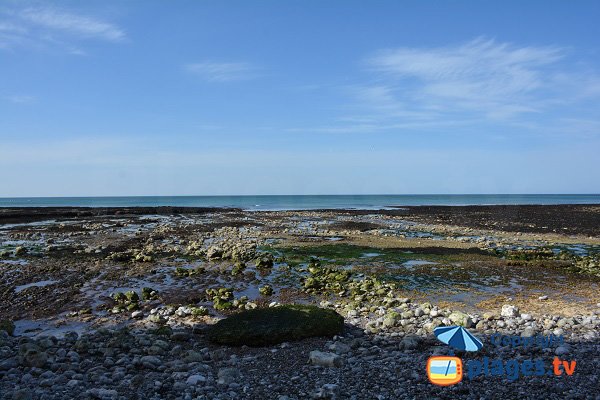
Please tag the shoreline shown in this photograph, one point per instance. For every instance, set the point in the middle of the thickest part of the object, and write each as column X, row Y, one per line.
column 570, row 219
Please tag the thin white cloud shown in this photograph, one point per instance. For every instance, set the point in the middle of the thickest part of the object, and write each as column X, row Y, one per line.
column 222, row 71
column 46, row 27
column 473, row 84
column 79, row 25
column 498, row 80
column 20, row 99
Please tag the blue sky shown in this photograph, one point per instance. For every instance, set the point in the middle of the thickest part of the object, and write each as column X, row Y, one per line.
column 299, row 97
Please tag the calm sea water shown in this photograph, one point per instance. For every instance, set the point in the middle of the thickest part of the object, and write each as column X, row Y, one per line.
column 302, row 202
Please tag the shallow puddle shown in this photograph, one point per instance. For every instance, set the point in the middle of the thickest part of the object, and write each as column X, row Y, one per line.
column 20, row 288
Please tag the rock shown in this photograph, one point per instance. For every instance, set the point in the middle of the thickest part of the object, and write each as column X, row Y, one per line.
column 156, row 318
column 103, row 394
column 391, row 320
column 195, row 379
column 151, row 362
column 20, row 250
column 8, row 326
column 489, row 315
column 410, row 342
column 227, row 376
column 562, row 350
column 526, row 317
column 265, row 326
column 558, row 332
column 324, row 359
column 22, row 394
column 528, row 332
column 137, row 314
column 31, row 355
column 214, row 252
column 327, row 391
column 509, row 311
column 339, row 348
column 266, row 290
column 460, row 318
column 543, row 298
column 193, row 356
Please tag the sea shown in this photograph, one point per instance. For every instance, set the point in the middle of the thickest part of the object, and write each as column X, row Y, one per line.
column 303, row 202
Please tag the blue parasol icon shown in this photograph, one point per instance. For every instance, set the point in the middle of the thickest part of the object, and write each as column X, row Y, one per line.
column 458, row 337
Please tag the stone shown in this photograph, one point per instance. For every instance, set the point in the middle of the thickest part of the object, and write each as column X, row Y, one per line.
column 562, row 350
column 137, row 314
column 150, row 362
column 327, row 391
column 156, row 318
column 509, row 311
column 22, row 394
column 195, row 379
column 460, row 318
column 325, row 359
column 103, row 394
column 410, row 342
column 32, row 356
column 20, row 250
column 7, row 325
column 543, row 298
column 227, row 376
column 193, row 356
column 526, row 317
column 528, row 332
column 214, row 252
column 339, row 348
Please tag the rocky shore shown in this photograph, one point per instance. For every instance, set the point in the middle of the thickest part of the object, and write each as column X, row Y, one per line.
column 123, row 304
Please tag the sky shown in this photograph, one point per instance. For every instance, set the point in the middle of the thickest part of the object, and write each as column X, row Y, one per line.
column 107, row 98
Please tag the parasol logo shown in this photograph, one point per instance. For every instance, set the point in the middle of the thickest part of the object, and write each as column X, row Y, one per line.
column 448, row 370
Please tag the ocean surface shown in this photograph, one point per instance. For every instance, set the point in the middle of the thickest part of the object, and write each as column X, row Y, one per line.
column 302, row 202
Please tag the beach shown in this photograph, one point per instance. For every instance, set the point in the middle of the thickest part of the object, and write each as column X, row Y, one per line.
column 118, row 302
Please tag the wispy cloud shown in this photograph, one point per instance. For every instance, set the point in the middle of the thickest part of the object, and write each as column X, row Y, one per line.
column 473, row 84
column 52, row 27
column 20, row 99
column 497, row 79
column 222, row 71
column 79, row 25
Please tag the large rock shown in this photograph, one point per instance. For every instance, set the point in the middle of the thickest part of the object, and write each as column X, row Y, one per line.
column 266, row 326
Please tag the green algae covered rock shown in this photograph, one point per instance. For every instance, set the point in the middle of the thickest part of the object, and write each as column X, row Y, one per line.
column 267, row 326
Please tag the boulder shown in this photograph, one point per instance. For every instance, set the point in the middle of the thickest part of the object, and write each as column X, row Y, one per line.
column 266, row 326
